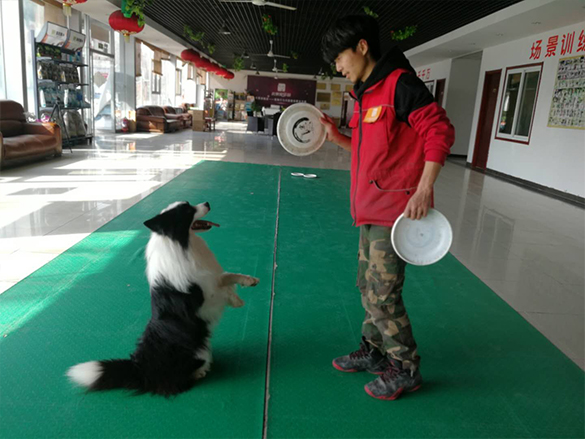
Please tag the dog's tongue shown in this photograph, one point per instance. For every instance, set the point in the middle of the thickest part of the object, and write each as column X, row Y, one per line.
column 203, row 223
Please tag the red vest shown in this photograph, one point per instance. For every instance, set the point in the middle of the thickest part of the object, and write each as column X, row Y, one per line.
column 388, row 157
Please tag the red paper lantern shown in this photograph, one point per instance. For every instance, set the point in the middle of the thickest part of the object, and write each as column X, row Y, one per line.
column 67, row 6
column 229, row 76
column 190, row 55
column 204, row 64
column 214, row 68
column 126, row 26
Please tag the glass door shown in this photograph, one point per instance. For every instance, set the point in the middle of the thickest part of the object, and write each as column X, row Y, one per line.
column 103, row 92
column 102, row 76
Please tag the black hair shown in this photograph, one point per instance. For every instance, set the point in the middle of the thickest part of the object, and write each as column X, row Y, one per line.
column 347, row 32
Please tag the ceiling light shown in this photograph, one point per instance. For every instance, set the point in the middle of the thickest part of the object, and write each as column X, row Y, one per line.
column 245, row 55
column 253, row 67
column 536, row 22
column 500, row 35
column 224, row 29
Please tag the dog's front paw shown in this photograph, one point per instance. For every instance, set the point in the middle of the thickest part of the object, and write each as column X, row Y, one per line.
column 235, row 301
column 199, row 374
column 250, row 281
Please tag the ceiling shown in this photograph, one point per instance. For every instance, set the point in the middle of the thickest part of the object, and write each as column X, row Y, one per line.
column 301, row 30
column 519, row 21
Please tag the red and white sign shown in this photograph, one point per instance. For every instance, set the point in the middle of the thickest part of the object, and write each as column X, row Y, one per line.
column 424, row 74
column 568, row 45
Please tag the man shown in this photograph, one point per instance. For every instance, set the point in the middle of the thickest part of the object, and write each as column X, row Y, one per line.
column 400, row 139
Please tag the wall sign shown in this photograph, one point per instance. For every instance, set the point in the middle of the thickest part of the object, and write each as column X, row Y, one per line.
column 550, row 46
column 424, row 74
column 283, row 92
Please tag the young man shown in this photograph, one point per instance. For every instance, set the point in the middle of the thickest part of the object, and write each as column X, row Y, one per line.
column 400, row 139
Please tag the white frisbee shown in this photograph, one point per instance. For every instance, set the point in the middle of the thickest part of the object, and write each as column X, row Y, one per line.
column 424, row 241
column 299, row 130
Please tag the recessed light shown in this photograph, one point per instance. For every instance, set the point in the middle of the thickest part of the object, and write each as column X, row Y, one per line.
column 500, row 35
column 536, row 22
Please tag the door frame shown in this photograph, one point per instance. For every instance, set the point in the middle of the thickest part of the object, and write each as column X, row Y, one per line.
column 443, row 82
column 483, row 115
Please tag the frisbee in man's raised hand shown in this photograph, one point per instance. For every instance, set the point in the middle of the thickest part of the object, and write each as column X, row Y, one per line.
column 299, row 129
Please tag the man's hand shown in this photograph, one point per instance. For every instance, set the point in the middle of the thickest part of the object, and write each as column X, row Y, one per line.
column 418, row 206
column 329, row 125
column 333, row 134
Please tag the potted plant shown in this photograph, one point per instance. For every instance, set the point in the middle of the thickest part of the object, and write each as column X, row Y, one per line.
column 256, row 108
column 135, row 7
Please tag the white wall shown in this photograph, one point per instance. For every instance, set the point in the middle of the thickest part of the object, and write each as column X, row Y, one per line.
column 434, row 72
column 555, row 157
column 462, row 90
column 240, row 83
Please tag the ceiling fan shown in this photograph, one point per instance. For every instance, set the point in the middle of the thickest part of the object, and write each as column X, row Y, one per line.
column 276, row 69
column 261, row 3
column 270, row 53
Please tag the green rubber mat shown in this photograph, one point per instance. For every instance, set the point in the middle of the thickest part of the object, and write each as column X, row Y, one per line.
column 487, row 372
column 92, row 303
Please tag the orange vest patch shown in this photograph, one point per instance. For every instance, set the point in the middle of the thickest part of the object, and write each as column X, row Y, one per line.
column 373, row 114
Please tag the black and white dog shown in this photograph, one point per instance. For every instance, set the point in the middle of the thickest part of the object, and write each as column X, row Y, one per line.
column 189, row 291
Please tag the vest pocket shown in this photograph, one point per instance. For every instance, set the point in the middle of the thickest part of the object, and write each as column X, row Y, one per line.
column 404, row 180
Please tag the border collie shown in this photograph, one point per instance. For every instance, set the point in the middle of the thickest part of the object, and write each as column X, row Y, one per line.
column 189, row 291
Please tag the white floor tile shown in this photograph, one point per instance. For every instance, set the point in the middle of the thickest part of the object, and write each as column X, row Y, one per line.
column 527, row 247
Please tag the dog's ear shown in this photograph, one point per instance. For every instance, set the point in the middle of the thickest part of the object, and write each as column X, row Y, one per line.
column 155, row 224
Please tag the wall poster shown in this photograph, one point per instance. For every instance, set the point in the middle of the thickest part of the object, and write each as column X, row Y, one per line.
column 567, row 109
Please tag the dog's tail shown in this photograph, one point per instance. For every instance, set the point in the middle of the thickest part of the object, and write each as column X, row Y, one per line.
column 106, row 375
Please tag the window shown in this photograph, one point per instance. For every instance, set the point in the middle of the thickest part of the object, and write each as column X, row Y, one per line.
column 156, row 83
column 33, row 20
column 178, row 82
column 2, row 71
column 518, row 103
column 430, row 85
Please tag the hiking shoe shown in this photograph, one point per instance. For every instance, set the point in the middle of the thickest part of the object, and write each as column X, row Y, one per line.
column 393, row 382
column 366, row 358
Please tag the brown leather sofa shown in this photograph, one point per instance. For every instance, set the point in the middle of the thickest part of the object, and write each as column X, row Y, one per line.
column 185, row 118
column 21, row 141
column 186, row 107
column 151, row 118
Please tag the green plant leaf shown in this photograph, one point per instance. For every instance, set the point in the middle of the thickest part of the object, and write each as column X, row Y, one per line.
column 403, row 34
column 369, row 12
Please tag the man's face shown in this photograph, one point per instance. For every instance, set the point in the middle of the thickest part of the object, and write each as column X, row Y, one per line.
column 352, row 64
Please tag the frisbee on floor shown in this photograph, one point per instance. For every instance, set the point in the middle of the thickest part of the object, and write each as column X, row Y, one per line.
column 299, row 130
column 424, row 241
column 300, row 174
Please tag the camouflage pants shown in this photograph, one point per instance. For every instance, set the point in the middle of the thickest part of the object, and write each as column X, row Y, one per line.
column 380, row 280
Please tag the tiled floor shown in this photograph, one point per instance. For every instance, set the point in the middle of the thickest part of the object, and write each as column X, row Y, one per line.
column 527, row 247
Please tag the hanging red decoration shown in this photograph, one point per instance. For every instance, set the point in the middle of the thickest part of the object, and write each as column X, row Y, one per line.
column 191, row 56
column 67, row 6
column 214, row 68
column 126, row 26
column 205, row 64
column 229, row 76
